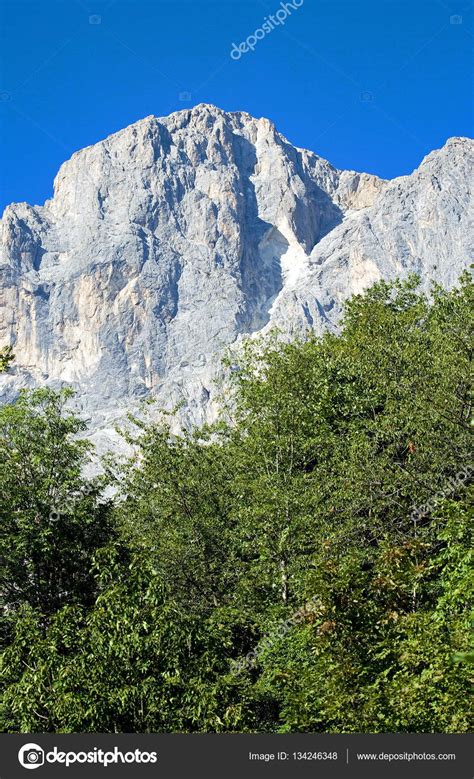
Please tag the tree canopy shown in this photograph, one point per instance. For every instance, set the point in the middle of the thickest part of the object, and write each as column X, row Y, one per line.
column 344, row 482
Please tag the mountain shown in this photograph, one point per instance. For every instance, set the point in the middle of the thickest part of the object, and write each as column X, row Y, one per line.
column 177, row 236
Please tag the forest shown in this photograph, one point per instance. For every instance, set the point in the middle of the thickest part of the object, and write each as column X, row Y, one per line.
column 303, row 564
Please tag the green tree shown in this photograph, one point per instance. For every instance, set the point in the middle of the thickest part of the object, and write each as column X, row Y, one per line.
column 6, row 358
column 342, row 479
column 52, row 519
column 374, row 428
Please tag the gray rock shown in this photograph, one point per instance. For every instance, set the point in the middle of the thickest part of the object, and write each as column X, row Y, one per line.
column 175, row 238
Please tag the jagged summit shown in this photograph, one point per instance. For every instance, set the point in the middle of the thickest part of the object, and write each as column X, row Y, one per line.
column 175, row 237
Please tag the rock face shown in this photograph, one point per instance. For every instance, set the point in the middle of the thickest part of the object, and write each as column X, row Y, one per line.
column 172, row 239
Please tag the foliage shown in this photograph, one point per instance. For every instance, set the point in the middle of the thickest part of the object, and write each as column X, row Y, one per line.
column 51, row 516
column 6, row 358
column 343, row 479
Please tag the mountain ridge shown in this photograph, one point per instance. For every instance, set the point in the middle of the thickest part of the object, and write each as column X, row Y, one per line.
column 174, row 238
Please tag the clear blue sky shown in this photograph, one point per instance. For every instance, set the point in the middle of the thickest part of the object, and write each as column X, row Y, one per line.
column 369, row 84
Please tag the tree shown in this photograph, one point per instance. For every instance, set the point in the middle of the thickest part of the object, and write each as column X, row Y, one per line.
column 6, row 358
column 373, row 427
column 343, row 481
column 52, row 518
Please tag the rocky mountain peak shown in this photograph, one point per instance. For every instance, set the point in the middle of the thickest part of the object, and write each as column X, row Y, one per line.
column 176, row 237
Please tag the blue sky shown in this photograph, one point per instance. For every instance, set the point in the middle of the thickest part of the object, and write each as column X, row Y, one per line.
column 370, row 85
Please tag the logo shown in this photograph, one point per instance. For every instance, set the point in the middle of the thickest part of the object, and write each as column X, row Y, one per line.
column 268, row 25
column 31, row 756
